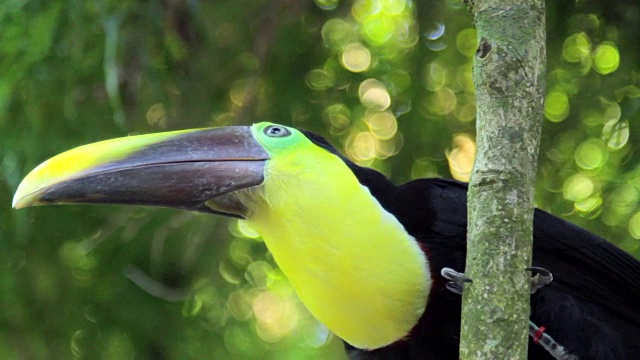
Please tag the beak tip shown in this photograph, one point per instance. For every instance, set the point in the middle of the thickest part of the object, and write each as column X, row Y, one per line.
column 18, row 202
column 22, row 200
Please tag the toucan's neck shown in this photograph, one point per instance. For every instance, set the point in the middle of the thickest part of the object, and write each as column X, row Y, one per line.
column 351, row 262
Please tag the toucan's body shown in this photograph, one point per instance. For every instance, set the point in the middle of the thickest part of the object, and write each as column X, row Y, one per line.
column 363, row 254
column 592, row 307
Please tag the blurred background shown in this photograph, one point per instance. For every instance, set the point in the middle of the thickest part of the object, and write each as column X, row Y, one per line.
column 386, row 81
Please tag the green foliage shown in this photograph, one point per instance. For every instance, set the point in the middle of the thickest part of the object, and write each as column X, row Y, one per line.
column 387, row 81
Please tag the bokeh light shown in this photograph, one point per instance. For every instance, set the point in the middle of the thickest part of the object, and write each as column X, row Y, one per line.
column 374, row 95
column 319, row 79
column 606, row 58
column 556, row 106
column 338, row 117
column 157, row 116
column 356, row 57
column 591, row 154
column 327, row 4
column 634, row 225
column 442, row 102
column 383, row 125
column 578, row 187
column 362, row 146
column 467, row 42
column 462, row 157
column 576, row 48
column 386, row 22
column 616, row 134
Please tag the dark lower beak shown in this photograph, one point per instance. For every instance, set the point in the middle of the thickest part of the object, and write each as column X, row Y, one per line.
column 182, row 169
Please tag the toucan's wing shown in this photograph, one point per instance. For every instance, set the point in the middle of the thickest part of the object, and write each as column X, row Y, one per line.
column 587, row 266
column 583, row 264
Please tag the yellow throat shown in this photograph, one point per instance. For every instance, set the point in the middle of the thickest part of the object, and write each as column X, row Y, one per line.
column 351, row 262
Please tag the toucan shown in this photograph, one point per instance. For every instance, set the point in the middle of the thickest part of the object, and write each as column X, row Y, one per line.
column 365, row 256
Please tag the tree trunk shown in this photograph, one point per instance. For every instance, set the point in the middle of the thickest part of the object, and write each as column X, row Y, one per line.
column 509, row 76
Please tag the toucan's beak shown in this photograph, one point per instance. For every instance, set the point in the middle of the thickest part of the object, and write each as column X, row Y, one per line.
column 182, row 169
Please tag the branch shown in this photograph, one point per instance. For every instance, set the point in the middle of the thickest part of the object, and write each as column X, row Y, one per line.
column 509, row 75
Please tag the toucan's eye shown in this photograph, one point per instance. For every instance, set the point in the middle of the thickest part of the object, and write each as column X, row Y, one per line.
column 276, row 131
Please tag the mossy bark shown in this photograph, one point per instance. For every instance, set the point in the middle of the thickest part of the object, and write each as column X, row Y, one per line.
column 509, row 76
